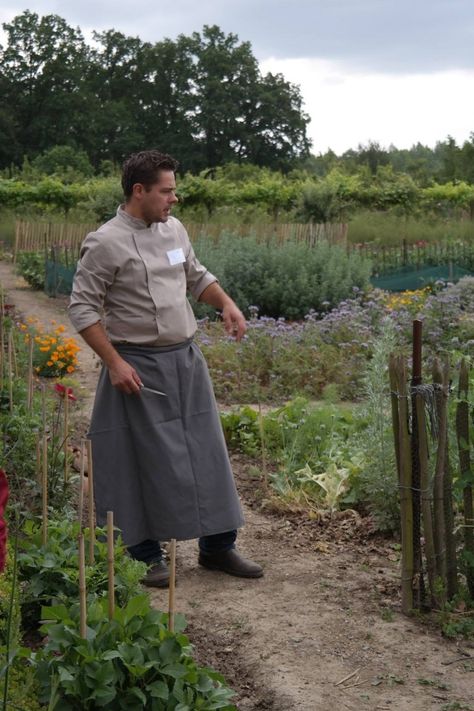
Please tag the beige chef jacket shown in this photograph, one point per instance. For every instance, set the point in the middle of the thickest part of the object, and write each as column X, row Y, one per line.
column 134, row 278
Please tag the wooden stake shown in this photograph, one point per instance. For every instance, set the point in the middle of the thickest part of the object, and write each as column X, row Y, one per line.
column 406, row 501
column 90, row 472
column 10, row 371
column 426, row 499
column 262, row 444
column 80, row 508
column 15, row 360
column 29, row 403
column 464, row 444
column 172, row 585
column 45, row 490
column 38, row 457
column 2, row 339
column 110, row 561
column 438, row 483
column 66, row 437
column 43, row 405
column 82, row 588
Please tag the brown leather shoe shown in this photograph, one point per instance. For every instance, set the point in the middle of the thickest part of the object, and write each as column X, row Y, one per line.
column 231, row 562
column 158, row 575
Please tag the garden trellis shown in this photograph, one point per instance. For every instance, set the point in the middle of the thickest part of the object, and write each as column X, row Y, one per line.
column 429, row 533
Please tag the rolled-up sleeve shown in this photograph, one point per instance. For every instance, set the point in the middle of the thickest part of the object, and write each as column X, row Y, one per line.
column 94, row 275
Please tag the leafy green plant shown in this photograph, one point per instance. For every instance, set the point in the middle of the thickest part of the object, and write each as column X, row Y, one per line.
column 50, row 573
column 31, row 266
column 132, row 662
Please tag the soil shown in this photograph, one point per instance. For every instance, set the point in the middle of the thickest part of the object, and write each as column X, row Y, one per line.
column 322, row 630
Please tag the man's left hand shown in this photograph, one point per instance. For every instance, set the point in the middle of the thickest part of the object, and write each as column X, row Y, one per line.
column 234, row 321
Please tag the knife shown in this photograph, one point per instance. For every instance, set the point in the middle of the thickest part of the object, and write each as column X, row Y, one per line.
column 150, row 390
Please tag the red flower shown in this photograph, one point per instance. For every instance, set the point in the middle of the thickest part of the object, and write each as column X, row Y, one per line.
column 63, row 391
column 3, row 525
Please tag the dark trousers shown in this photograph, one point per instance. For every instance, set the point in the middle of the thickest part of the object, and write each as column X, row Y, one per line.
column 150, row 551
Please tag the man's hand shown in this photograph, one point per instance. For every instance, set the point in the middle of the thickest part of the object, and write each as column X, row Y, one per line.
column 124, row 377
column 234, row 321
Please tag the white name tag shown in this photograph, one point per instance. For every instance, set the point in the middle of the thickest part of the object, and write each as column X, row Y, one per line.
column 176, row 256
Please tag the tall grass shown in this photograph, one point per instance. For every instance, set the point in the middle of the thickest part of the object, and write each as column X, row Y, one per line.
column 390, row 229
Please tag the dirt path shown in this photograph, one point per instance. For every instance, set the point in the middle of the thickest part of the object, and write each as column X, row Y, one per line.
column 326, row 610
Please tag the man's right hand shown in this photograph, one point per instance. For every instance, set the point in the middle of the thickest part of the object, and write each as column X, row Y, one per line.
column 124, row 377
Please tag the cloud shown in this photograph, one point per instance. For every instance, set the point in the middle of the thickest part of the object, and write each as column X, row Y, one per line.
column 349, row 108
column 371, row 35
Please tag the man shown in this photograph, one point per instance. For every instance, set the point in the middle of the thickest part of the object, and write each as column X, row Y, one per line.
column 160, row 461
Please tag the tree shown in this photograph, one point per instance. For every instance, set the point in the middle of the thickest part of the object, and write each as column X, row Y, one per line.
column 43, row 69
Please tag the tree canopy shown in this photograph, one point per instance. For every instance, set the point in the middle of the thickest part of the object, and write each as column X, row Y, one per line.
column 201, row 98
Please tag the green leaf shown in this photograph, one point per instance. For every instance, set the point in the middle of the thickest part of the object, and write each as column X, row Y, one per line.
column 159, row 690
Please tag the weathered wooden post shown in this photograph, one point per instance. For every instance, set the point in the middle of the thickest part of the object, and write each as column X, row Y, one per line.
column 464, row 445
column 416, row 380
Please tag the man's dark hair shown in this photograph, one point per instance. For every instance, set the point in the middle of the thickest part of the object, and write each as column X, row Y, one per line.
column 144, row 167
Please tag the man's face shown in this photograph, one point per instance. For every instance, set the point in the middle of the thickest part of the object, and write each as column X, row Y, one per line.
column 157, row 201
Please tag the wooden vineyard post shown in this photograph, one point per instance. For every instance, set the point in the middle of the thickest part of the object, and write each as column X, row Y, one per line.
column 90, row 472
column 82, row 588
column 172, row 585
column 110, row 563
column 464, row 444
column 406, row 501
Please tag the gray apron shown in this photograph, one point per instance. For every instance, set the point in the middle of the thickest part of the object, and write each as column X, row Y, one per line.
column 161, row 463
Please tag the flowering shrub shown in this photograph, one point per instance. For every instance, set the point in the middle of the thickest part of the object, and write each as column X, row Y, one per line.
column 54, row 355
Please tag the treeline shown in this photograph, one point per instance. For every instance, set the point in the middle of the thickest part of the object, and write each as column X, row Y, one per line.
column 446, row 162
column 201, row 98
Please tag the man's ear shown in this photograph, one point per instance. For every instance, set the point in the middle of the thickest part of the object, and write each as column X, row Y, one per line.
column 137, row 190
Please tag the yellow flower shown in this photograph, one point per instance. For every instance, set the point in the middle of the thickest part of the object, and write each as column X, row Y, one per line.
column 49, row 363
column 70, row 369
column 44, row 349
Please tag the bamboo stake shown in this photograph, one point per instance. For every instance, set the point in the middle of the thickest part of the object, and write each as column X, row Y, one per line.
column 426, row 499
column 110, row 561
column 90, row 473
column 438, row 488
column 14, row 356
column 2, row 339
column 66, row 438
column 82, row 588
column 43, row 405
column 38, row 457
column 462, row 433
column 172, row 585
column 45, row 490
column 262, row 445
column 29, row 403
column 406, row 500
column 80, row 508
column 10, row 373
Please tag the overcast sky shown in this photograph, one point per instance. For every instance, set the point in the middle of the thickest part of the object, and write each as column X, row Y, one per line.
column 393, row 71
